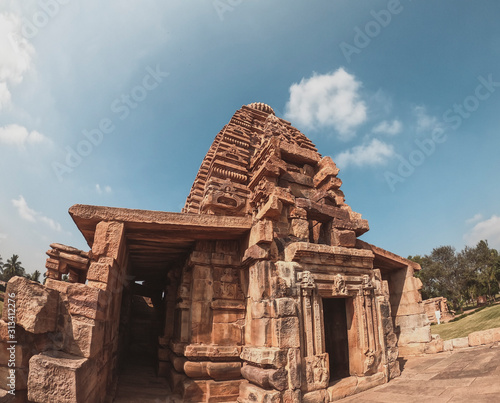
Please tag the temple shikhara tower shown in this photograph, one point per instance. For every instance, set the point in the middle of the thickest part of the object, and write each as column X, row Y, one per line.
column 260, row 290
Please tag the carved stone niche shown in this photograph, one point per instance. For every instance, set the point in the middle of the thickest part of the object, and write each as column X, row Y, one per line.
column 339, row 288
column 222, row 197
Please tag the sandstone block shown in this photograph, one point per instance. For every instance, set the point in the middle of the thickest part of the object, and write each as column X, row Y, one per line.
column 224, row 370
column 271, row 356
column 197, row 370
column 317, row 396
column 412, row 349
column 435, row 346
column 271, row 210
column 415, row 335
column 342, row 388
column 257, row 252
column 59, row 377
column 260, row 309
column 294, row 368
column 447, row 345
column 256, row 394
column 300, row 228
column 108, row 239
column 412, row 321
column 292, row 396
column 226, row 391
column 227, row 334
column 286, row 332
column 258, row 332
column 285, row 307
column 345, row 238
column 36, row 306
column 326, row 170
column 258, row 287
column 83, row 338
column 82, row 299
column 261, row 233
column 265, row 378
column 286, row 272
column 368, row 382
column 460, row 342
column 484, row 337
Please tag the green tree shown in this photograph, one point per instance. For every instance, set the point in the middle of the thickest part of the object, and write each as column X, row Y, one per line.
column 461, row 276
column 486, row 260
column 35, row 276
column 12, row 268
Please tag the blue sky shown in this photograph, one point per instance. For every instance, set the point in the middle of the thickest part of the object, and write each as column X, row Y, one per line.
column 116, row 103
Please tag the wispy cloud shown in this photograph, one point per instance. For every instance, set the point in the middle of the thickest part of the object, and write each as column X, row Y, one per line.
column 424, row 121
column 4, row 95
column 488, row 229
column 28, row 214
column 20, row 136
column 391, row 128
column 327, row 101
column 16, row 57
column 106, row 189
column 477, row 217
column 375, row 152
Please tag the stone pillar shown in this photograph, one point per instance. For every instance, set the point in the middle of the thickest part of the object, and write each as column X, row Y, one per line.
column 210, row 316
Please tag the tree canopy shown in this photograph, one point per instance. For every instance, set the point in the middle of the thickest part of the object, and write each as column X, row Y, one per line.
column 460, row 276
column 13, row 267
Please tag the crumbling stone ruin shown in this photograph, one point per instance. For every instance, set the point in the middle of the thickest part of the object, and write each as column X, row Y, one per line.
column 437, row 306
column 259, row 291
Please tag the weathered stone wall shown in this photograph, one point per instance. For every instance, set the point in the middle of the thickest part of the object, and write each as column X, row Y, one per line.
column 410, row 320
column 69, row 331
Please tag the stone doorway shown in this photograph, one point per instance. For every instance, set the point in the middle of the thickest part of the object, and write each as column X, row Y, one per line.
column 336, row 336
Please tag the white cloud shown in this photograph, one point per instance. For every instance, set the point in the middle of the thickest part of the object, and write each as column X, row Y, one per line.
column 477, row 217
column 20, row 136
column 4, row 95
column 488, row 229
column 23, row 209
column 327, row 101
column 425, row 122
column 106, row 189
column 391, row 128
column 374, row 153
column 16, row 58
column 28, row 214
column 2, row 237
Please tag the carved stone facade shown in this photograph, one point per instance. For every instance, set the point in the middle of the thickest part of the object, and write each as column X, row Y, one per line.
column 259, row 291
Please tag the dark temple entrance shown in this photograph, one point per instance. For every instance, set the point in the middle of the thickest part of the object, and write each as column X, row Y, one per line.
column 336, row 341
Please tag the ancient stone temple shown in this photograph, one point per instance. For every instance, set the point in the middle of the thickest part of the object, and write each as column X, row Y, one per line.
column 259, row 291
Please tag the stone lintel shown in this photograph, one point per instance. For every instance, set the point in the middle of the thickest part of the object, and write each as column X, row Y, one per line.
column 386, row 259
column 305, row 252
column 195, row 226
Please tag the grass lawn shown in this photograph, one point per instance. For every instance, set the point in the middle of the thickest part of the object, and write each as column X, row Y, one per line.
column 487, row 318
